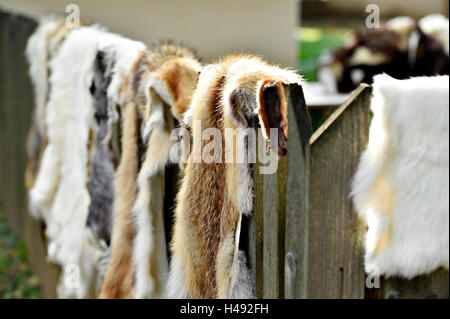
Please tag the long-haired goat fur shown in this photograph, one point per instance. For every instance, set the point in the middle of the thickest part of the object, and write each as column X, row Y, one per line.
column 401, row 187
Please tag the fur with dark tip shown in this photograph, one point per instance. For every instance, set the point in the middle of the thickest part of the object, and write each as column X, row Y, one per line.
column 213, row 197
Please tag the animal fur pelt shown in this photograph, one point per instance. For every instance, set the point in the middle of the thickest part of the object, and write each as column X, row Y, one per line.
column 60, row 189
column 157, row 90
column 401, row 47
column 114, row 59
column 401, row 187
column 41, row 47
column 60, row 192
column 206, row 261
column 101, row 186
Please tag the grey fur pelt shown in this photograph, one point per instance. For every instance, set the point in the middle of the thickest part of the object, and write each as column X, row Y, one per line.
column 101, row 187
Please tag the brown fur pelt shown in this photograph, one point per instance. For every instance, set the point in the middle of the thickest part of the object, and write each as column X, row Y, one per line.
column 234, row 93
column 157, row 90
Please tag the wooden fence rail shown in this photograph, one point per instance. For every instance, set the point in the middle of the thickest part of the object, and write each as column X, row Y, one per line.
column 304, row 239
column 312, row 247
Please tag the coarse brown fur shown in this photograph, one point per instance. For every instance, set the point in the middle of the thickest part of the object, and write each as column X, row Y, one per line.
column 175, row 69
column 229, row 95
column 118, row 280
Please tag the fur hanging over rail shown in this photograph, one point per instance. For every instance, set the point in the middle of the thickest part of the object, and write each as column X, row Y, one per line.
column 113, row 61
column 156, row 91
column 60, row 193
column 234, row 93
column 60, row 189
column 401, row 187
column 41, row 47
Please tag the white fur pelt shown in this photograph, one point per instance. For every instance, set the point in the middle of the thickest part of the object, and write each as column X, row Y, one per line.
column 38, row 52
column 69, row 121
column 41, row 47
column 401, row 187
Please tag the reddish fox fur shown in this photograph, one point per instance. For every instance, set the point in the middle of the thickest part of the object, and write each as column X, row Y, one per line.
column 163, row 77
column 206, row 262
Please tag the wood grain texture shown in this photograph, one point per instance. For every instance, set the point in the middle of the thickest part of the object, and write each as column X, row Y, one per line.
column 296, row 196
column 274, row 188
column 335, row 243
column 16, row 104
column 256, row 230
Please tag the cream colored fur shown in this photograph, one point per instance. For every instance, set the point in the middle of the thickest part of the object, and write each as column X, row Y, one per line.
column 71, row 105
column 41, row 47
column 155, row 92
column 401, row 187
column 149, row 247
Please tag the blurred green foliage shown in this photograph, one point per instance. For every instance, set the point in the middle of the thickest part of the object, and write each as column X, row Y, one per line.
column 313, row 43
column 16, row 277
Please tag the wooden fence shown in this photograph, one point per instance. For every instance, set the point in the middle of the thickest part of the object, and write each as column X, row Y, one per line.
column 305, row 240
column 16, row 102
column 313, row 246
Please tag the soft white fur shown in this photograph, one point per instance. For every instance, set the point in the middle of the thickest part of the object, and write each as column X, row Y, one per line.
column 60, row 192
column 37, row 51
column 407, row 160
column 176, row 283
column 37, row 55
column 70, row 112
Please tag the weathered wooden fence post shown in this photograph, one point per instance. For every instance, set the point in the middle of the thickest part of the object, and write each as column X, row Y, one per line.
column 268, row 223
column 297, row 190
column 16, row 102
column 335, row 252
column 267, row 231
